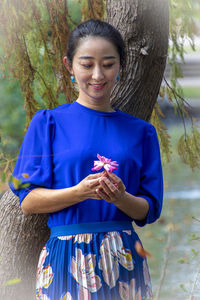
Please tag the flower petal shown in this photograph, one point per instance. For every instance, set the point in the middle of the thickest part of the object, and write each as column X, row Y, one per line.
column 108, row 165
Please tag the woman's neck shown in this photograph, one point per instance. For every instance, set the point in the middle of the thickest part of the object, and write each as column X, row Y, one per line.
column 105, row 107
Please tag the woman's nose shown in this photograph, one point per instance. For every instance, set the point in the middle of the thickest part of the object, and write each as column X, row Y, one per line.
column 97, row 74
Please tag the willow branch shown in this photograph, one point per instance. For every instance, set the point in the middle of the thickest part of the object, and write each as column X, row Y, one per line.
column 179, row 108
column 42, row 35
column 166, row 259
column 194, row 285
column 198, row 220
column 36, row 71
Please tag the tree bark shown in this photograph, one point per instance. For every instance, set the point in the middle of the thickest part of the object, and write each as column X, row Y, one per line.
column 21, row 240
column 144, row 26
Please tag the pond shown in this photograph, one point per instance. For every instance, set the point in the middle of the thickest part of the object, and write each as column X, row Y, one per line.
column 173, row 240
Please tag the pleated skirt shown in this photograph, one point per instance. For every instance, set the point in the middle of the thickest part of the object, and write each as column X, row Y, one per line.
column 92, row 261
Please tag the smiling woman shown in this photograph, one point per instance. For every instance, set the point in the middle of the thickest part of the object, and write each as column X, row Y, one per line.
column 91, row 251
column 95, row 66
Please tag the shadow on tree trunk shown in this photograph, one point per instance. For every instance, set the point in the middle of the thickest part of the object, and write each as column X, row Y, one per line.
column 21, row 240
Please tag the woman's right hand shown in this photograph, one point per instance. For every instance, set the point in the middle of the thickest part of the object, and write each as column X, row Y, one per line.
column 87, row 187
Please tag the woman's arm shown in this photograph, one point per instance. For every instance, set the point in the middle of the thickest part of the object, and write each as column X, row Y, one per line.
column 43, row 200
column 147, row 200
column 135, row 207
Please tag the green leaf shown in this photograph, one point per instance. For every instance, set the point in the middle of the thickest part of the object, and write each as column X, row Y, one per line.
column 183, row 260
column 16, row 182
column 25, row 175
column 3, row 177
column 13, row 281
column 194, row 237
column 194, row 252
column 24, row 185
column 183, row 287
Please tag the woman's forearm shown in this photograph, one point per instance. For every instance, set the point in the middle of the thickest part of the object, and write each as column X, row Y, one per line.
column 135, row 207
column 42, row 200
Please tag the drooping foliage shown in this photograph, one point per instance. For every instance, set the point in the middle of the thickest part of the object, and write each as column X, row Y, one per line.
column 33, row 37
column 93, row 9
column 36, row 34
column 182, row 28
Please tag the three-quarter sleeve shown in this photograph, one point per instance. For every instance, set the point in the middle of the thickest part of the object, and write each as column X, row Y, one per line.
column 151, row 177
column 35, row 156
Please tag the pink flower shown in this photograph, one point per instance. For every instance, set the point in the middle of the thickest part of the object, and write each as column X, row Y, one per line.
column 104, row 162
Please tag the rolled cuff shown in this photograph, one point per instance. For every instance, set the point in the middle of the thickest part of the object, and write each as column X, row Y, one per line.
column 22, row 193
column 152, row 215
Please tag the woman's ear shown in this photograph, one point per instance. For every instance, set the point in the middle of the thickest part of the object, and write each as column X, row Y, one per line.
column 67, row 64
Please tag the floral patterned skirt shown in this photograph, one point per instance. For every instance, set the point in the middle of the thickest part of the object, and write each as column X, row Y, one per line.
column 92, row 261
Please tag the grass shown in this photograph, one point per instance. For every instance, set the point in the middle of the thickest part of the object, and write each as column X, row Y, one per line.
column 191, row 92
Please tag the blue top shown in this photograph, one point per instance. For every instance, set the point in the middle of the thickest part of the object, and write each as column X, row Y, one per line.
column 59, row 150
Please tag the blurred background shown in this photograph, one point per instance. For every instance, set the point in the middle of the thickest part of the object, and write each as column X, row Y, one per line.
column 174, row 240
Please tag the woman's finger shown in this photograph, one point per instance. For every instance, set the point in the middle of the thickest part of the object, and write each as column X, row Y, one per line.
column 94, row 183
column 117, row 181
column 97, row 175
column 102, row 194
column 113, row 176
column 108, row 186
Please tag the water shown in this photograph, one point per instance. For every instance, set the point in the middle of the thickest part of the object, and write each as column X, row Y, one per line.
column 186, row 195
column 181, row 202
column 182, row 265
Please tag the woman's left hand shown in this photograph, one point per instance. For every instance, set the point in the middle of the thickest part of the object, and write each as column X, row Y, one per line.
column 112, row 188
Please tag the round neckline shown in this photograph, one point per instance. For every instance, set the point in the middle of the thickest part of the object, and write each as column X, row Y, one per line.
column 82, row 107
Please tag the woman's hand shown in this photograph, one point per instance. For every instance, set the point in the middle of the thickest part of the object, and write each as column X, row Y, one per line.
column 88, row 186
column 112, row 188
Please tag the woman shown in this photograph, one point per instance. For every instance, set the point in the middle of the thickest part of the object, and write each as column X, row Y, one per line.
column 91, row 251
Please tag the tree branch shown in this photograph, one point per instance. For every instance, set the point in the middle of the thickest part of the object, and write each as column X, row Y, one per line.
column 198, row 220
column 194, row 285
column 166, row 259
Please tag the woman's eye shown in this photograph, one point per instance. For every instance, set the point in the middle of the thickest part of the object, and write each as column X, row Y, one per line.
column 108, row 66
column 105, row 66
column 87, row 66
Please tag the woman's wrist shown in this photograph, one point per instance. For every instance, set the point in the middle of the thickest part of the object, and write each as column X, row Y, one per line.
column 78, row 194
column 135, row 207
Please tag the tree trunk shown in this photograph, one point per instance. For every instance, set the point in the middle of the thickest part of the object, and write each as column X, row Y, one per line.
column 144, row 26
column 21, row 240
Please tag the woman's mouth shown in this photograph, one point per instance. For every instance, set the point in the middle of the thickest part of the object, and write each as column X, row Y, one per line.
column 97, row 87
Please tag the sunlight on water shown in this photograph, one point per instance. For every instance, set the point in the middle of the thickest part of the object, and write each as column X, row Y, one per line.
column 187, row 194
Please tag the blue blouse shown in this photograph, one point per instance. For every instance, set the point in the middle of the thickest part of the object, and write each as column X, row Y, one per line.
column 59, row 150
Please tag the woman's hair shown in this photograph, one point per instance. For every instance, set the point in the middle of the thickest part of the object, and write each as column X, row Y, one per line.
column 95, row 28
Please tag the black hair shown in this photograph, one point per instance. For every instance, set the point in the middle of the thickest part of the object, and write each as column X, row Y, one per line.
column 95, row 28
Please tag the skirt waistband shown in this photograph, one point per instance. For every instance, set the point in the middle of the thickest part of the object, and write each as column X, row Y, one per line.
column 90, row 228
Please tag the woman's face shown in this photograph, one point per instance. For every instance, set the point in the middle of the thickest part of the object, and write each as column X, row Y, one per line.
column 95, row 67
